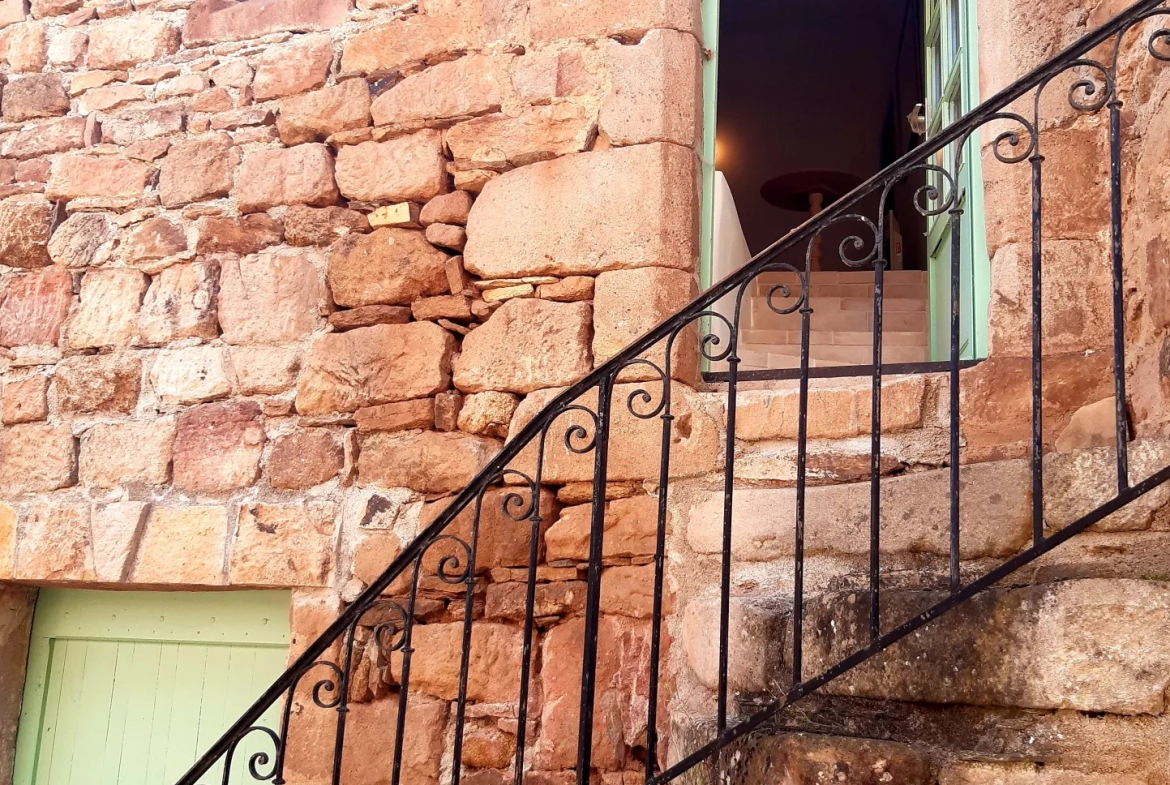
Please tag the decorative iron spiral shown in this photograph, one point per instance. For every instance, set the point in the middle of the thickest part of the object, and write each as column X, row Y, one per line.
column 257, row 759
column 575, row 432
column 390, row 636
column 513, row 504
column 854, row 240
column 452, row 569
column 643, row 395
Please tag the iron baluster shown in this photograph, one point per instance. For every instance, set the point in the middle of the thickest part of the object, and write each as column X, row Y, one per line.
column 728, row 501
column 1037, row 161
column 801, row 484
column 956, row 274
column 593, row 590
column 465, row 654
column 404, row 672
column 282, row 748
column 343, row 704
column 875, row 453
column 659, row 577
column 1119, row 395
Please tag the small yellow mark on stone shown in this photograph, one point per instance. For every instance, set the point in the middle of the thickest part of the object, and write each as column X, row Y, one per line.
column 403, row 216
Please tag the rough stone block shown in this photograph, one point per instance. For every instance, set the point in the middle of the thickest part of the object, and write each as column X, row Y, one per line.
column 127, row 453
column 399, row 416
column 218, row 447
column 55, row 543
column 807, row 759
column 657, row 90
column 84, row 240
column 117, row 529
column 487, row 413
column 493, row 672
column 629, row 303
column 594, row 19
column 33, row 307
column 193, row 374
column 292, row 68
column 283, row 545
column 388, row 266
column 423, row 460
column 368, row 316
column 452, row 208
column 122, row 43
column 265, row 370
column 619, row 720
column 181, row 303
column 1092, row 645
column 403, row 169
column 322, row 225
column 312, row 117
column 154, row 240
column 373, row 365
column 35, row 458
column 526, row 345
column 183, row 546
column 25, row 400
column 131, row 126
column 45, row 138
column 270, row 298
column 501, row 142
column 78, row 176
column 628, row 591
column 1077, row 483
column 297, row 175
column 108, row 312
column 542, row 219
column 25, row 226
column 502, row 541
column 304, row 458
column 216, row 21
column 471, row 85
column 510, row 600
column 995, row 516
column 37, row 95
column 631, row 527
column 245, row 235
column 198, row 169
column 99, row 384
column 964, row 773
column 414, row 39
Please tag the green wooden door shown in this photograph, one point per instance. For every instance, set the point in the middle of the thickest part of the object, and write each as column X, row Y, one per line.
column 130, row 687
column 952, row 90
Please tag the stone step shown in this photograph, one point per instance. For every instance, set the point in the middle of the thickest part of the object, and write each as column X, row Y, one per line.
column 773, row 338
column 827, row 304
column 811, row 759
column 860, row 320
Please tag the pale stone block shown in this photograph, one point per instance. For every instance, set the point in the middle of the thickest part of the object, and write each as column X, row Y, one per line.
column 183, row 546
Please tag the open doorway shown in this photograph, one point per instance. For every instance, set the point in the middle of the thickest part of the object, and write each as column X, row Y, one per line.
column 812, row 100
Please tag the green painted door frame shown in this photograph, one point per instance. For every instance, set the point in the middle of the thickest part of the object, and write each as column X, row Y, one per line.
column 956, row 25
column 128, row 688
column 952, row 90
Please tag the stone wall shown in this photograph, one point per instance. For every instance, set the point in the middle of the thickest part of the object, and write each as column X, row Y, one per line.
column 278, row 274
column 280, row 277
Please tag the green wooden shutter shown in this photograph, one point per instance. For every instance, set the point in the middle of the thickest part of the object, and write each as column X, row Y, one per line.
column 126, row 688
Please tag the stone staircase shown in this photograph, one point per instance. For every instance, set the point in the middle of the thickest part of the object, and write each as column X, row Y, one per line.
column 842, row 321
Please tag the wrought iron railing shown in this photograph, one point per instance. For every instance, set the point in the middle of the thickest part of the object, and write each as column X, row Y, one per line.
column 588, row 409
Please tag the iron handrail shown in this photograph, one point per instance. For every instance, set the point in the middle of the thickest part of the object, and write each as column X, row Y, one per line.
column 606, row 376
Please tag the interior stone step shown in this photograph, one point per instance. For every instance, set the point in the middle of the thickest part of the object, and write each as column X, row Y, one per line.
column 845, row 320
column 771, row 338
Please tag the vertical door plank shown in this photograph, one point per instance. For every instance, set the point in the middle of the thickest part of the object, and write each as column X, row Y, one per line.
column 93, row 711
column 159, row 731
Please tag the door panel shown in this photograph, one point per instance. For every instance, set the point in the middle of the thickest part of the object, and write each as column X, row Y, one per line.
column 130, row 688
